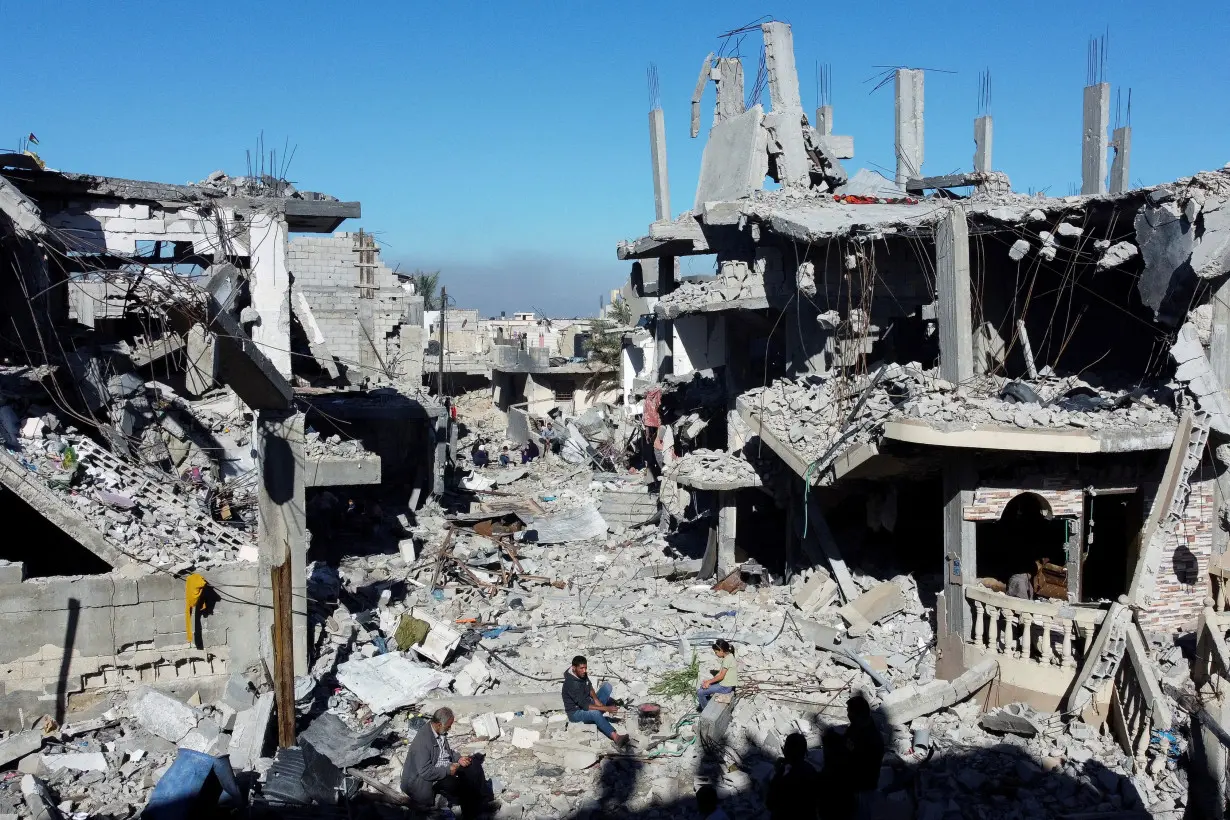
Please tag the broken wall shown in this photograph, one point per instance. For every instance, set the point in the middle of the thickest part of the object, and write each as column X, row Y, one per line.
column 1183, row 575
column 118, row 633
column 362, row 333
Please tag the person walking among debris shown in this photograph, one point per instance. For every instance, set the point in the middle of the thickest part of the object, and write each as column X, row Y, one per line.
column 725, row 677
column 707, row 804
column 583, row 705
column 793, row 789
column 864, row 752
column 433, row 768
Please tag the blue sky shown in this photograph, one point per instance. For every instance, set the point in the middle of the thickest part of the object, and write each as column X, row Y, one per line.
column 506, row 143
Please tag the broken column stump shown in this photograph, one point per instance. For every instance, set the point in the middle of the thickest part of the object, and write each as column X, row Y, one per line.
column 715, row 719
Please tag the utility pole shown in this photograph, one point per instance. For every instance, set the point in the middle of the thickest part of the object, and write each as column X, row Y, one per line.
column 440, row 373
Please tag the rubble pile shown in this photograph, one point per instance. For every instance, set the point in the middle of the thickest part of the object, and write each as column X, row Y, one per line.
column 149, row 517
column 810, row 412
column 488, row 616
column 317, row 445
column 713, row 467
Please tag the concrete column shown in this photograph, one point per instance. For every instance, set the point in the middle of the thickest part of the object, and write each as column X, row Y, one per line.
column 786, row 121
column 824, row 120
column 909, row 108
column 960, row 561
column 657, row 156
column 664, row 329
column 983, row 132
column 270, row 287
column 1120, row 167
column 727, row 525
column 730, row 99
column 282, row 516
column 952, row 286
column 1094, row 142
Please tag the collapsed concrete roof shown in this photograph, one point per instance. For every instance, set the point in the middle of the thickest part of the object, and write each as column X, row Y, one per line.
column 305, row 211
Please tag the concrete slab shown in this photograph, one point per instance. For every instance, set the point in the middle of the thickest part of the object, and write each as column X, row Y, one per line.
column 389, row 682
column 735, row 160
column 341, row 471
column 516, row 702
column 251, row 729
column 19, row 745
column 873, row 606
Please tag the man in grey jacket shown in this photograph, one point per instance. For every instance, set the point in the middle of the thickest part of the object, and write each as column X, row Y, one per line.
column 432, row 768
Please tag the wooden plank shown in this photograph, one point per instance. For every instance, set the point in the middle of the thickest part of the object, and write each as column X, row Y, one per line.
column 283, row 652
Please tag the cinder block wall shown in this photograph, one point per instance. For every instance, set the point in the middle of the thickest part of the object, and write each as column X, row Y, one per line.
column 325, row 269
column 127, row 632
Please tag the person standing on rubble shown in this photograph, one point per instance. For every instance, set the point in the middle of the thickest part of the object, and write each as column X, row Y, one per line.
column 583, row 705
column 833, row 781
column 433, row 768
column 864, row 754
column 725, row 677
column 793, row 789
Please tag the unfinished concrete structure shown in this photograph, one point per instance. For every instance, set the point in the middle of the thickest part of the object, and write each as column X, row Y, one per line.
column 169, row 350
column 968, row 387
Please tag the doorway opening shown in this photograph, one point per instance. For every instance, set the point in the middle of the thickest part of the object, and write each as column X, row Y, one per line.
column 1111, row 544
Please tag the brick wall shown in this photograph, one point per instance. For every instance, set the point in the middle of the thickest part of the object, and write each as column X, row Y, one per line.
column 1182, row 578
column 128, row 632
column 989, row 502
column 325, row 270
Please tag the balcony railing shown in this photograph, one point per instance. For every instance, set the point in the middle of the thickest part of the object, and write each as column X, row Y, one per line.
column 1049, row 633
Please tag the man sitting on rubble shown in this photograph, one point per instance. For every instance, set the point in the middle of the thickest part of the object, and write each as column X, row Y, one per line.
column 433, row 768
column 583, row 705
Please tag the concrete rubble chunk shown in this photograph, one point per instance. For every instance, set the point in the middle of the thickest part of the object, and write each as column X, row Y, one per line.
column 251, row 729
column 1164, row 237
column 571, row 756
column 578, row 524
column 20, row 744
column 523, row 738
column 872, row 606
column 1211, row 249
column 76, row 761
column 389, row 682
column 1117, row 254
column 816, row 592
column 912, row 702
column 472, row 678
column 715, row 719
column 161, row 715
column 1015, row 718
column 1018, row 250
column 486, row 727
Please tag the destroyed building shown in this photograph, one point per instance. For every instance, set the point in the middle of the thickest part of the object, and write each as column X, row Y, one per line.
column 958, row 450
column 188, row 370
column 939, row 375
